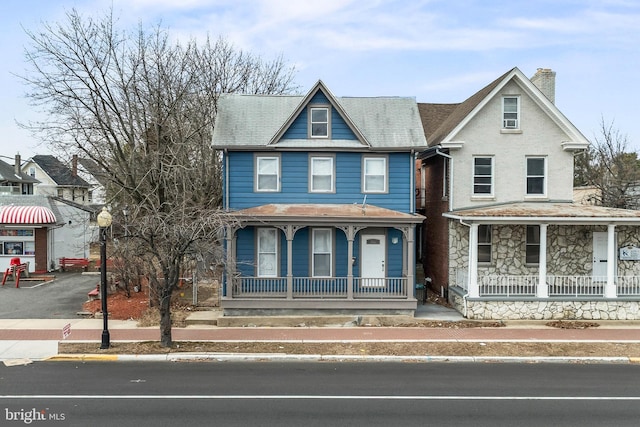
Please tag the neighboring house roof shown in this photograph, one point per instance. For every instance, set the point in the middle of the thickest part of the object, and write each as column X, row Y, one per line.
column 32, row 200
column 61, row 174
column 453, row 117
column 92, row 168
column 327, row 213
column 545, row 212
column 257, row 121
column 8, row 174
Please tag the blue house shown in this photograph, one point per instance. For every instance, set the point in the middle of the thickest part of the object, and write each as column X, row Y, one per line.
column 324, row 190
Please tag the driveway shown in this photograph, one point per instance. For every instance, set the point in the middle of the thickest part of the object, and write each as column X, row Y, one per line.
column 61, row 298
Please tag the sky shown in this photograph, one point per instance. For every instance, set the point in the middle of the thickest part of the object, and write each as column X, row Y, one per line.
column 439, row 51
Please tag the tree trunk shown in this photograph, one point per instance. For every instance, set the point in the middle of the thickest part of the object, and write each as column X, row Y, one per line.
column 165, row 321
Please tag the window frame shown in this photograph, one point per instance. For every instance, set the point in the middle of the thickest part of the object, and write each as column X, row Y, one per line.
column 257, row 175
column 329, row 253
column 332, row 176
column 530, row 176
column 475, row 176
column 312, row 122
column 529, row 245
column 516, row 125
column 488, row 233
column 260, row 253
column 385, row 174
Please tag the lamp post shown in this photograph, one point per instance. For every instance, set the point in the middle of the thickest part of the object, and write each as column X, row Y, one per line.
column 104, row 221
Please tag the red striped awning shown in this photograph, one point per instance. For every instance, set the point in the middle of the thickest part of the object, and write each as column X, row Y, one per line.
column 26, row 215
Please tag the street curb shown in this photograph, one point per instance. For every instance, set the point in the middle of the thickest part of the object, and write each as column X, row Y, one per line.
column 277, row 357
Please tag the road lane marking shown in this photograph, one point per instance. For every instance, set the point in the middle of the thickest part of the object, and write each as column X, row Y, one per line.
column 313, row 397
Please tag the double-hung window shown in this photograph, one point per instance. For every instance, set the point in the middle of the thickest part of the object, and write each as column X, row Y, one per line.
column 483, row 176
column 319, row 122
column 484, row 243
column 322, row 173
column 536, row 172
column 267, row 252
column 510, row 112
column 375, row 175
column 322, row 246
column 532, row 255
column 267, row 173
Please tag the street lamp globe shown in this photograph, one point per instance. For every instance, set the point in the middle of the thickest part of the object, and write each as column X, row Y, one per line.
column 104, row 218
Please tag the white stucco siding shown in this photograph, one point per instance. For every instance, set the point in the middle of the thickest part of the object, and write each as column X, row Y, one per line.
column 538, row 135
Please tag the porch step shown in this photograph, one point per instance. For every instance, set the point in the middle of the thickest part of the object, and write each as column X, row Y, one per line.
column 204, row 317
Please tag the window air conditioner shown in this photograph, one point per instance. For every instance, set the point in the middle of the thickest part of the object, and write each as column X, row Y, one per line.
column 510, row 123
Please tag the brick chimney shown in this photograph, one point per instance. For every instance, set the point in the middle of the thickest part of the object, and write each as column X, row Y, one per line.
column 74, row 165
column 17, row 166
column 545, row 80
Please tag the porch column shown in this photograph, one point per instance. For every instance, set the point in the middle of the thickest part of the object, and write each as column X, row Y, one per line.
column 411, row 263
column 472, row 276
column 543, row 289
column 350, row 232
column 228, row 284
column 350, row 236
column 610, row 290
column 289, row 233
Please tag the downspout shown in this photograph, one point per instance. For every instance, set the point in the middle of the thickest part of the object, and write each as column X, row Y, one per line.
column 412, row 194
column 225, row 204
column 450, row 192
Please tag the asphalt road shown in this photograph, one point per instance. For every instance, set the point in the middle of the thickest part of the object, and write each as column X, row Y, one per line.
column 61, row 298
column 320, row 394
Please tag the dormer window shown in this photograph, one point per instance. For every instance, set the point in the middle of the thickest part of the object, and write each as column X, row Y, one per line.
column 319, row 122
column 510, row 112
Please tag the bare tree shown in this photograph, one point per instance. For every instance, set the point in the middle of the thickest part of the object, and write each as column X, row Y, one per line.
column 143, row 108
column 610, row 168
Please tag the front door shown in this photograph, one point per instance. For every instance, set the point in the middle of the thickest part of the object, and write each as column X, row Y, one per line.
column 372, row 268
column 600, row 263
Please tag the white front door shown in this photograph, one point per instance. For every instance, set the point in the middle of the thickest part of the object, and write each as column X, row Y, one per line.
column 600, row 256
column 372, row 268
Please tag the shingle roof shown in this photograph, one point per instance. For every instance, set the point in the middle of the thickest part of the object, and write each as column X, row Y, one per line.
column 8, row 174
column 95, row 170
column 58, row 171
column 447, row 116
column 246, row 121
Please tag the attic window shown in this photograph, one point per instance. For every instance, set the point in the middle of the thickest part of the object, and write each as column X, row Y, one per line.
column 319, row 122
column 510, row 112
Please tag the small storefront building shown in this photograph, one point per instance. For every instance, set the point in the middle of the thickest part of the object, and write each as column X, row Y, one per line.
column 24, row 234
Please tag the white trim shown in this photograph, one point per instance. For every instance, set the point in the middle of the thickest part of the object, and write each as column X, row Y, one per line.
column 278, row 172
column 274, row 251
column 544, row 177
column 313, row 251
column 332, row 184
column 490, row 194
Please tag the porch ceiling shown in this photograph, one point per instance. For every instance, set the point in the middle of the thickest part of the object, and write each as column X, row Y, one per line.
column 327, row 213
column 546, row 212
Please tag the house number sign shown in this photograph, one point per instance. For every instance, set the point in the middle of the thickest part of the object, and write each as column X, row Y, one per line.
column 630, row 253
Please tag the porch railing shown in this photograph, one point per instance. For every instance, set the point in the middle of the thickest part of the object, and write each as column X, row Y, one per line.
column 319, row 288
column 557, row 285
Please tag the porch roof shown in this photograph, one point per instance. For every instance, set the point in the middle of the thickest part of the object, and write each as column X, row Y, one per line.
column 327, row 213
column 546, row 212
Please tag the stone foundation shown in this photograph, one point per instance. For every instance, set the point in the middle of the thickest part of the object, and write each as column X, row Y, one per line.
column 545, row 309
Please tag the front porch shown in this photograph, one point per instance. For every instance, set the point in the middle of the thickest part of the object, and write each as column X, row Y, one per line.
column 321, row 259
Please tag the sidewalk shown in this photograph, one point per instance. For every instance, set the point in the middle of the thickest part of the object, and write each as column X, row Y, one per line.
column 35, row 340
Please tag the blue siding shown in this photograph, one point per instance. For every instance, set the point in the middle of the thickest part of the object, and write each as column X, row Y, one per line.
column 301, row 253
column 394, row 254
column 339, row 128
column 245, row 254
column 341, row 254
column 295, row 181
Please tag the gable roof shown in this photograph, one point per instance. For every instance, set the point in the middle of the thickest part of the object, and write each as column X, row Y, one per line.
column 455, row 116
column 259, row 121
column 8, row 174
column 58, row 172
column 92, row 168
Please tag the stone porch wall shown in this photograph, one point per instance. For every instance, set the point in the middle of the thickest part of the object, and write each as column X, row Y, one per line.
column 545, row 309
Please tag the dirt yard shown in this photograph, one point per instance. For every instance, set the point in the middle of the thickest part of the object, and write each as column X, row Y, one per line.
column 137, row 308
